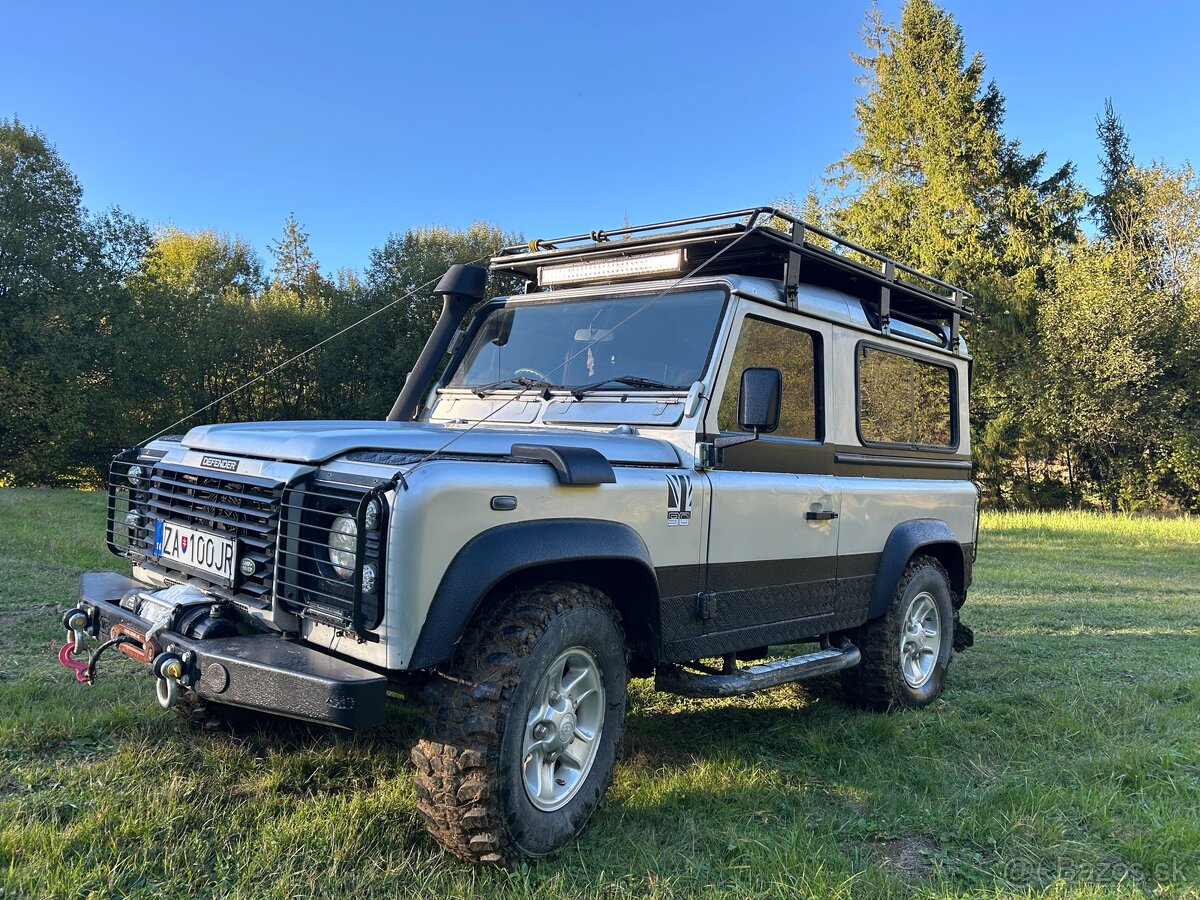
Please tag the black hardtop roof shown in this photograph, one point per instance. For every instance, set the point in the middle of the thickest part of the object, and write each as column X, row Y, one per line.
column 763, row 242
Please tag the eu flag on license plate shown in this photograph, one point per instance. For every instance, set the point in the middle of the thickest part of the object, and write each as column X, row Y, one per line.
column 158, row 537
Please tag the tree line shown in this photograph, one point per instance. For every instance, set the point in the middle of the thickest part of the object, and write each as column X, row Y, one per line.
column 111, row 331
column 1085, row 386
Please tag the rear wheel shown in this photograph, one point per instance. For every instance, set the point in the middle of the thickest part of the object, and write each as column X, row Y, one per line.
column 905, row 651
column 520, row 731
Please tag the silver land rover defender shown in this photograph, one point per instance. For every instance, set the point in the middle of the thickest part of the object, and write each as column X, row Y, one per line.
column 683, row 445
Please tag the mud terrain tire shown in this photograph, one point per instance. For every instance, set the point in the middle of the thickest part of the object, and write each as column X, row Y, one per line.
column 879, row 682
column 480, row 710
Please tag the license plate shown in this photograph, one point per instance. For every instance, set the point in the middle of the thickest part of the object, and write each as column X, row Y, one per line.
column 201, row 551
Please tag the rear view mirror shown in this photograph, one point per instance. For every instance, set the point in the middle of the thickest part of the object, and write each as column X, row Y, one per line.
column 593, row 335
column 499, row 327
column 759, row 399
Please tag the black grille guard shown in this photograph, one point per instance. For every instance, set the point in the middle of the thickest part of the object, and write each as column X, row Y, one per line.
column 272, row 522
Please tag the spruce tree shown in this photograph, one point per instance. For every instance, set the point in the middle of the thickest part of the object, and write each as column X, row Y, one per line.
column 935, row 182
column 928, row 146
column 296, row 266
column 933, row 179
column 1113, row 206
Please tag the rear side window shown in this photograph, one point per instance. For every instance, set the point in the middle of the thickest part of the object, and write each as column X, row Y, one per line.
column 794, row 353
column 903, row 400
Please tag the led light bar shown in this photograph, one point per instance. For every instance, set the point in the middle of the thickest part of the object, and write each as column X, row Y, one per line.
column 669, row 261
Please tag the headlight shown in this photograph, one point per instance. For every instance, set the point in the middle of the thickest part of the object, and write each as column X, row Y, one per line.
column 343, row 541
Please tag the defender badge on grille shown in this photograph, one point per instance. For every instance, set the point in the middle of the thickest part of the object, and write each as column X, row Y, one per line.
column 216, row 462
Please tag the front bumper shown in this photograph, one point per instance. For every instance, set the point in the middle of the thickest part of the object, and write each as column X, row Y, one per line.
column 260, row 671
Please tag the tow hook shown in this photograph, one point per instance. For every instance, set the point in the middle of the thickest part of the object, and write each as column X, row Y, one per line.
column 80, row 666
column 75, row 621
column 168, row 670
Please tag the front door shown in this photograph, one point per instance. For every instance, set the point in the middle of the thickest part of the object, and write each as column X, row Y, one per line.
column 773, row 533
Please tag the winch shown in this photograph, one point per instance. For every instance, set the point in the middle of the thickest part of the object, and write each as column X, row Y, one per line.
column 180, row 608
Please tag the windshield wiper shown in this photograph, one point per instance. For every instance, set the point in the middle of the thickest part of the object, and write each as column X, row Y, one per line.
column 484, row 390
column 636, row 381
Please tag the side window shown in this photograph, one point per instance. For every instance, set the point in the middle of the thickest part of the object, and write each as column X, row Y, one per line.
column 793, row 352
column 902, row 400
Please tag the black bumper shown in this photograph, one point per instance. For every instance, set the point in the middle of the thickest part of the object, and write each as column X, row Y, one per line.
column 261, row 671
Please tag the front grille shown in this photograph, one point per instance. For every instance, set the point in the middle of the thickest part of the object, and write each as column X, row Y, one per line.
column 260, row 516
column 246, row 509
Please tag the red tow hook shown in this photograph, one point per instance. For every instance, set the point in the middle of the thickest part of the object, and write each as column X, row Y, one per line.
column 76, row 621
column 66, row 656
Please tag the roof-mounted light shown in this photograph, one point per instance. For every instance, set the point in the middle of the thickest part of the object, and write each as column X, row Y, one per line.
column 666, row 262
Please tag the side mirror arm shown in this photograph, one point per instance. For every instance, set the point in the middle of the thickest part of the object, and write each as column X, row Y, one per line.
column 732, row 440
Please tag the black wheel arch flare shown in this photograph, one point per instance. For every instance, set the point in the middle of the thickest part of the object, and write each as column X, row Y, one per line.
column 931, row 536
column 606, row 554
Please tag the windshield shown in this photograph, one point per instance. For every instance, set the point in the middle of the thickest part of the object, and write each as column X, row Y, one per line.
column 645, row 342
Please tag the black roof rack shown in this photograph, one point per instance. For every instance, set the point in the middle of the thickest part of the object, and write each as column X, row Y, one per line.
column 765, row 242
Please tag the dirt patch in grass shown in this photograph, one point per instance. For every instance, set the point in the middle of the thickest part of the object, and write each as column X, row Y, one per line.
column 906, row 856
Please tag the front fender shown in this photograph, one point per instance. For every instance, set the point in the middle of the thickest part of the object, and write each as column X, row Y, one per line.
column 499, row 553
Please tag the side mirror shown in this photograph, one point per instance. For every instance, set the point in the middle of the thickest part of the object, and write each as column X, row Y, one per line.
column 759, row 399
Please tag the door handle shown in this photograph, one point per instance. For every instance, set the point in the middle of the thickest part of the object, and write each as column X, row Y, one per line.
column 821, row 515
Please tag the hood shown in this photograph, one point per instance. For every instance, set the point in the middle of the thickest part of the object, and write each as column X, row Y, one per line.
column 322, row 440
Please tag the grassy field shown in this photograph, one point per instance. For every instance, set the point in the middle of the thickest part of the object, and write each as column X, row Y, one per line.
column 1063, row 759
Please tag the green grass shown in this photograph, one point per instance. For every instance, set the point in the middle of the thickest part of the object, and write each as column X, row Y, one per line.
column 1063, row 759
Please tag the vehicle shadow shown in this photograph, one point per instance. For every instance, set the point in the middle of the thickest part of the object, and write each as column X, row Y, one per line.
column 662, row 726
column 670, row 730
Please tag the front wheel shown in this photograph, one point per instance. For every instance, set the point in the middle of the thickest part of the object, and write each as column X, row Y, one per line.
column 520, row 731
column 905, row 651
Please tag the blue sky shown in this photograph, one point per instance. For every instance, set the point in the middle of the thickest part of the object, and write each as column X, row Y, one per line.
column 368, row 118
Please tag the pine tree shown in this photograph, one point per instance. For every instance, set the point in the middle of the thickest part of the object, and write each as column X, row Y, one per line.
column 1113, row 206
column 296, row 267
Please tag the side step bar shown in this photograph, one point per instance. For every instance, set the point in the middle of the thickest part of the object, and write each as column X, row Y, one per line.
column 675, row 680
